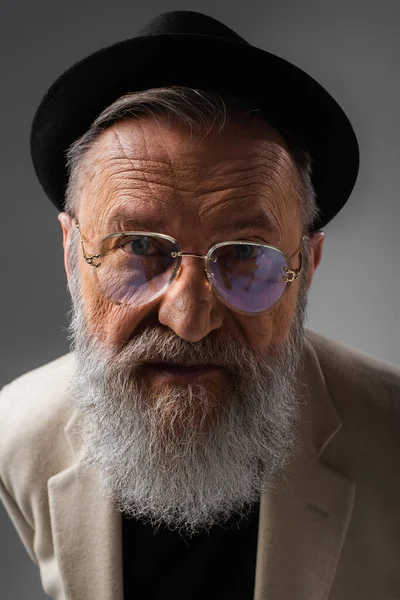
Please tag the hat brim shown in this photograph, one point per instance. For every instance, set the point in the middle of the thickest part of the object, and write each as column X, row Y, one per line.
column 293, row 101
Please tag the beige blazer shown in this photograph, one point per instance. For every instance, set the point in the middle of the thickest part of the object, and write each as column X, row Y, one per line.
column 331, row 533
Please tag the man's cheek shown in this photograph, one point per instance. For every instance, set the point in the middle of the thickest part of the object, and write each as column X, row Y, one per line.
column 267, row 330
column 100, row 314
column 113, row 325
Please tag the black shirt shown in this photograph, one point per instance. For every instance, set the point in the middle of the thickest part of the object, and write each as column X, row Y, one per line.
column 218, row 564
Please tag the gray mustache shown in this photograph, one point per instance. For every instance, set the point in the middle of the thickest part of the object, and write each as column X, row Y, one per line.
column 155, row 345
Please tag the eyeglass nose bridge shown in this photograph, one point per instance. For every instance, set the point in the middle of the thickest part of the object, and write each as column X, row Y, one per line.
column 203, row 256
column 180, row 254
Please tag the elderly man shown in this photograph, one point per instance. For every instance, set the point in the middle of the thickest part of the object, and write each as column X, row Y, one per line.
column 197, row 442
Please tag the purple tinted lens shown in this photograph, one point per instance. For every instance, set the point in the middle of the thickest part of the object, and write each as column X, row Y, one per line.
column 137, row 268
column 247, row 276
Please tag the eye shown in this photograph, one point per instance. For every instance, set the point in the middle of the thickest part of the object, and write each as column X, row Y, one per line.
column 140, row 246
column 245, row 251
column 145, row 246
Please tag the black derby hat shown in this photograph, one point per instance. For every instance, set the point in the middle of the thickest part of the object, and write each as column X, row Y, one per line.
column 191, row 49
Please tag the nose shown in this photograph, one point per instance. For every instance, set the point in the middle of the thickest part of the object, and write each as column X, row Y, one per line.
column 189, row 307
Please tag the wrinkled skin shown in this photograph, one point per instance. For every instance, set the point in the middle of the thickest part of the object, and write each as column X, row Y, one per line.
column 193, row 190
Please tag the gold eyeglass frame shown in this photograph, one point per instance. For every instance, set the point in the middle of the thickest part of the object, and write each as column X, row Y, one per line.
column 291, row 274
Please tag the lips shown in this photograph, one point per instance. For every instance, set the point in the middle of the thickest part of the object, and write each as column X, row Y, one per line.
column 177, row 371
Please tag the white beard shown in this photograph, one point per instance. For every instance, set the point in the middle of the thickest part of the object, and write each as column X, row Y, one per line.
column 174, row 455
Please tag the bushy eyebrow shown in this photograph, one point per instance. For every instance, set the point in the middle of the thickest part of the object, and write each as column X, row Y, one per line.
column 129, row 222
column 122, row 220
column 260, row 220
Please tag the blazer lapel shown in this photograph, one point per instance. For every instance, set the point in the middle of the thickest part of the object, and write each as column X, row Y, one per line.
column 301, row 533
column 303, row 523
column 86, row 532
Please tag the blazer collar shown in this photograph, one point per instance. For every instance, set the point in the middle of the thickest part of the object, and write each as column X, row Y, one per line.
column 302, row 524
column 86, row 531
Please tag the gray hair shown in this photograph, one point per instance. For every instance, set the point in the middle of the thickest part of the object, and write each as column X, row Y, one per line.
column 200, row 111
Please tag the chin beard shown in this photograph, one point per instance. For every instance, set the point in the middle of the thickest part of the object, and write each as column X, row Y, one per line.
column 176, row 455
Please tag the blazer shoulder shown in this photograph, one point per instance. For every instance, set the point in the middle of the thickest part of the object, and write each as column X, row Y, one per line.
column 348, row 372
column 34, row 410
column 29, row 395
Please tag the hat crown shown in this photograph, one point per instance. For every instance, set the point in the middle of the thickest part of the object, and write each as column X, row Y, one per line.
column 220, row 61
column 190, row 23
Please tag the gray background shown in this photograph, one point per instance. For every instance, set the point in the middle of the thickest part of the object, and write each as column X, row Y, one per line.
column 352, row 47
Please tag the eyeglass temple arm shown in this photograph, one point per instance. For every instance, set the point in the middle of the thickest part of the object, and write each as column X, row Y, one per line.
column 88, row 257
column 293, row 274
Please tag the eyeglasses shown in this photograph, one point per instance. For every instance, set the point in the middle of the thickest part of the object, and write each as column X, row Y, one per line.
column 134, row 268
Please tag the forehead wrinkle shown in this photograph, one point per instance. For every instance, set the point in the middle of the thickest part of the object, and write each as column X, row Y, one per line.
column 167, row 165
column 267, row 178
column 146, row 164
column 269, row 157
column 151, row 171
column 125, row 211
column 258, row 192
column 251, row 211
column 199, row 161
column 267, row 167
column 122, row 185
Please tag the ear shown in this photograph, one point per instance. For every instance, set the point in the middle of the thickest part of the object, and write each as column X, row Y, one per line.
column 316, row 244
column 67, row 229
